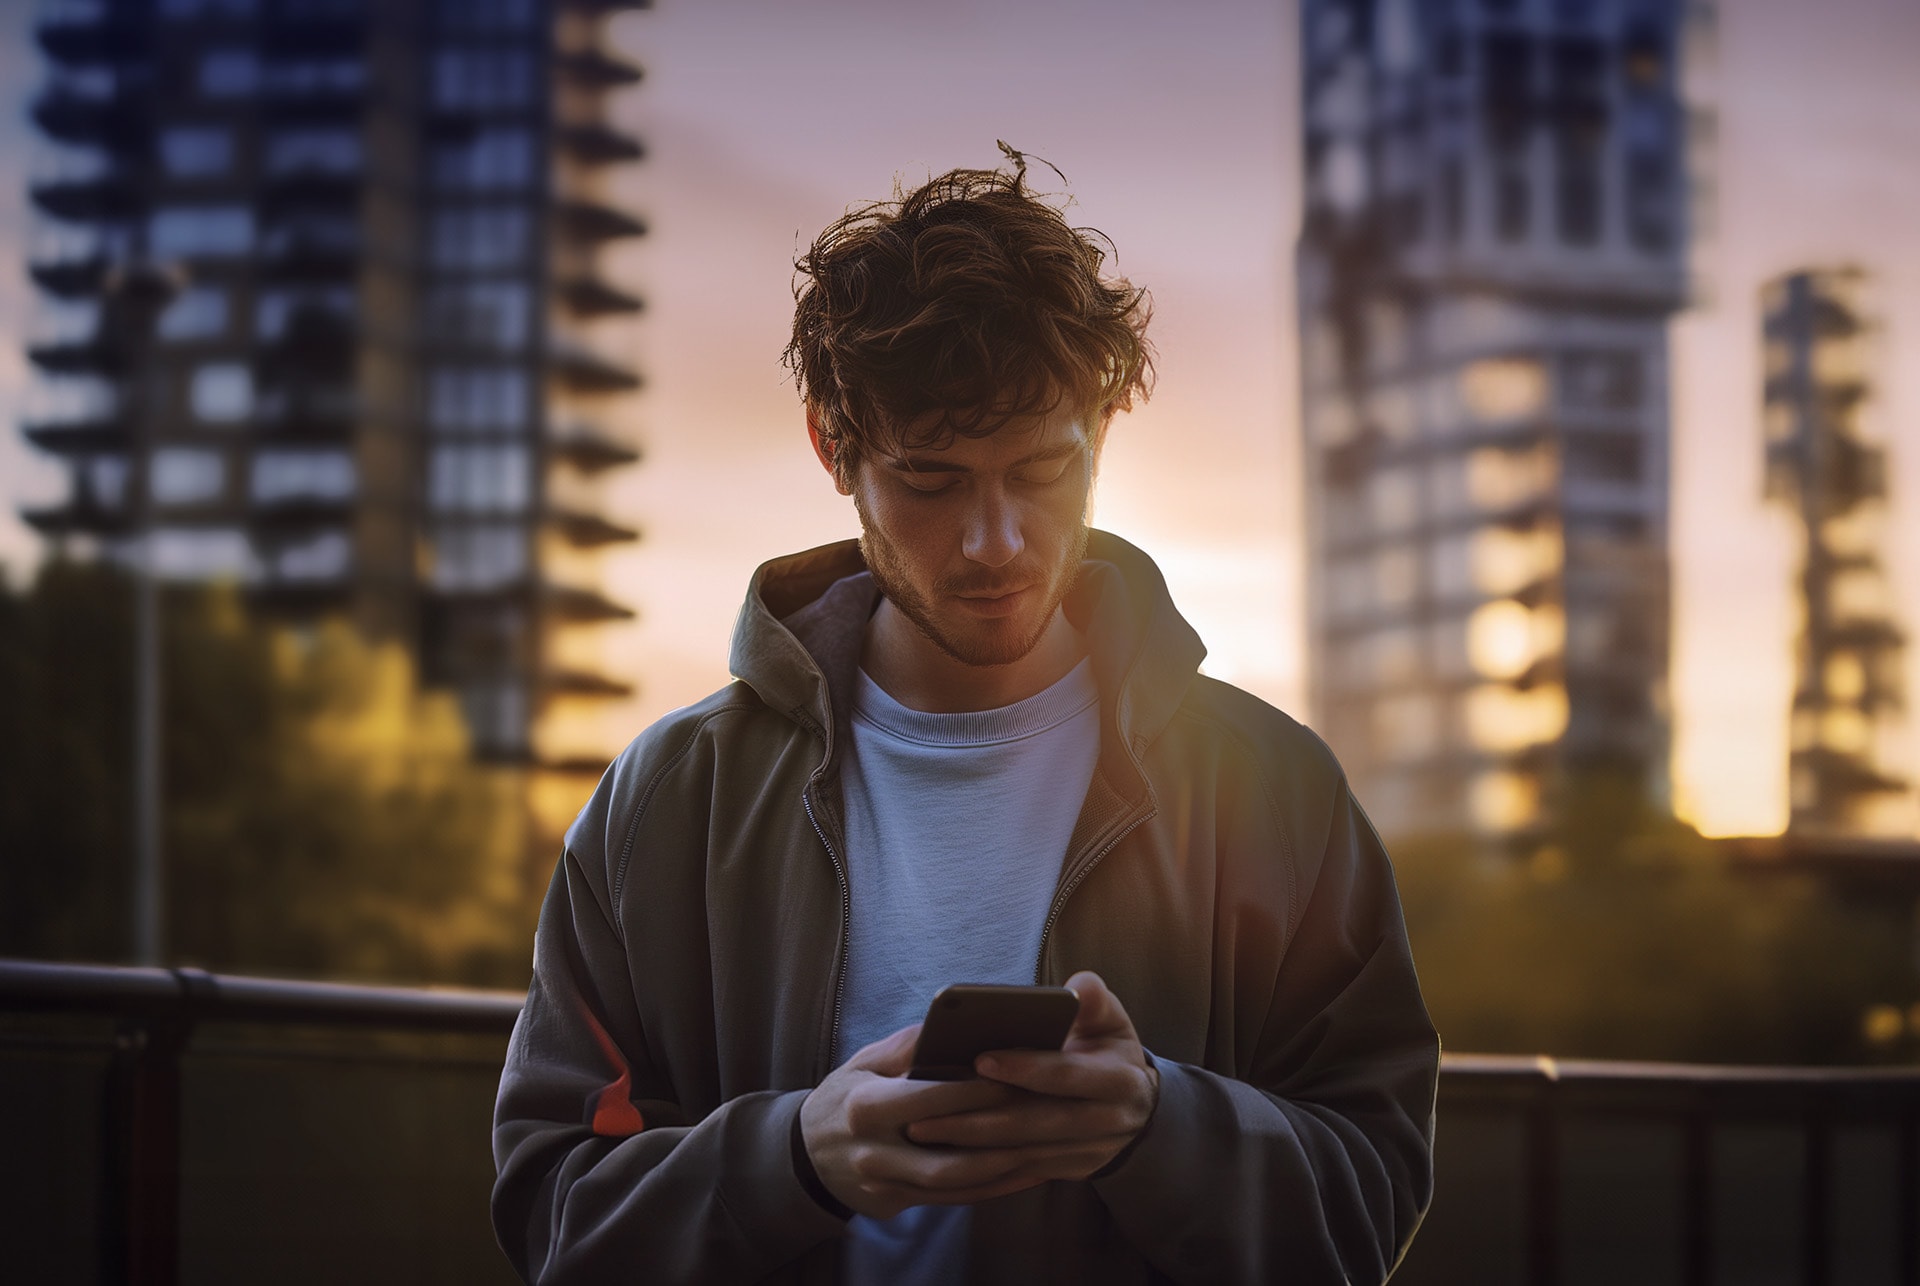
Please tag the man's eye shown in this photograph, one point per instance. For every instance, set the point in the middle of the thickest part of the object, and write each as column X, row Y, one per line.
column 933, row 489
column 1043, row 475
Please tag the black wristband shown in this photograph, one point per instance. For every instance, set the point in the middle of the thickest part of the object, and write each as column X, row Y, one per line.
column 810, row 1177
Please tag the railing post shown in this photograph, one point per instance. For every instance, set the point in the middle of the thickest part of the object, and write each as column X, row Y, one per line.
column 1696, row 1227
column 1817, row 1195
column 141, row 1201
column 1543, row 1187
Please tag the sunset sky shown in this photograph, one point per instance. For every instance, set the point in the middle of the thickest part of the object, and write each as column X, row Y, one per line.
column 1178, row 129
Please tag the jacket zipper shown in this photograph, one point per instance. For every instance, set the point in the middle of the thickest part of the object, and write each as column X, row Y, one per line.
column 1086, row 869
column 846, row 919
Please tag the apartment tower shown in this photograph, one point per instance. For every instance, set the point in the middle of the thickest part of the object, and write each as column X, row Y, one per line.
column 374, row 393
column 1494, row 239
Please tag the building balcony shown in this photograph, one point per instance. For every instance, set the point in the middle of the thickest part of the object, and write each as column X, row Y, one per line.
column 588, row 531
column 255, row 1122
column 591, row 223
column 79, row 518
column 581, row 605
column 88, row 31
column 594, row 143
column 587, row 449
column 587, row 296
column 85, row 193
column 74, row 274
column 596, row 69
column 89, row 113
column 583, row 683
column 582, row 369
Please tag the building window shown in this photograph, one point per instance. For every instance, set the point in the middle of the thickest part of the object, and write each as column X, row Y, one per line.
column 1500, row 389
column 199, row 553
column 178, row 232
column 199, row 312
column 196, row 152
column 1453, row 201
column 312, row 232
column 497, row 715
column 1597, row 380
column 308, row 77
column 1577, row 160
column 494, row 313
column 492, row 159
column 103, row 480
column 183, row 476
column 1608, row 458
column 296, row 310
column 1512, row 195
column 481, row 238
column 229, row 73
column 1643, row 60
column 477, row 399
column 479, row 556
column 280, row 476
column 487, row 15
column 1650, row 201
column 222, row 392
column 324, row 556
column 176, row 10
column 314, row 151
column 476, row 79
column 479, row 480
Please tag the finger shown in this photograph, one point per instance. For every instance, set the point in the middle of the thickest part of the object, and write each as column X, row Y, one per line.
column 926, row 1171
column 881, row 1105
column 890, row 1055
column 1110, row 1075
column 1044, row 1121
column 1029, row 1166
column 1101, row 1015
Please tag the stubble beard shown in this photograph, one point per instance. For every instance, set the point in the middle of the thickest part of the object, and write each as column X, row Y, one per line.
column 889, row 574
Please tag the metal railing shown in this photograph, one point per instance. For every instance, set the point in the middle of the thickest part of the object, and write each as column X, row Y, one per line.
column 231, row 1109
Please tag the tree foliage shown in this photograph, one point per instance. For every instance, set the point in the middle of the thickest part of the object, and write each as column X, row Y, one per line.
column 322, row 813
column 1625, row 934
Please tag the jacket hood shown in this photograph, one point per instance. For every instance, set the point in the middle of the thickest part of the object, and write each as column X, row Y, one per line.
column 798, row 637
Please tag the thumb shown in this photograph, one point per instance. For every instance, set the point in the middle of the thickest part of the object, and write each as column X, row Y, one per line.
column 1101, row 1013
column 890, row 1055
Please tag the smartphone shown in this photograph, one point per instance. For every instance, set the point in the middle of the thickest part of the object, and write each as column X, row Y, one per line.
column 967, row 1019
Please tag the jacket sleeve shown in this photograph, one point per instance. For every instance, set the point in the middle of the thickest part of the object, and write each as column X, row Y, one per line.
column 601, row 1176
column 1316, row 1165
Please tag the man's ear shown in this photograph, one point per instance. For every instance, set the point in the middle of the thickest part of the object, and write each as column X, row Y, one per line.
column 823, row 452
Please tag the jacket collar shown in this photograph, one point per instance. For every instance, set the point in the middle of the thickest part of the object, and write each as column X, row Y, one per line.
column 797, row 640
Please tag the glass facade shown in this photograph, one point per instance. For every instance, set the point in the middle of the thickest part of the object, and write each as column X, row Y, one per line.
column 1490, row 254
column 382, row 219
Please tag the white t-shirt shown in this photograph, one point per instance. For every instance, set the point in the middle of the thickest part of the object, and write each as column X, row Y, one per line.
column 957, row 825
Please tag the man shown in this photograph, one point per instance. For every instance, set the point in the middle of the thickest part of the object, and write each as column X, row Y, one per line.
column 974, row 747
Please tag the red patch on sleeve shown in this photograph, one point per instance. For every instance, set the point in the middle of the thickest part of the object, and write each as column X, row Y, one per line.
column 613, row 1114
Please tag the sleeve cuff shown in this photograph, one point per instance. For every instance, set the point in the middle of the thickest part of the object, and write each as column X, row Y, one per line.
column 810, row 1177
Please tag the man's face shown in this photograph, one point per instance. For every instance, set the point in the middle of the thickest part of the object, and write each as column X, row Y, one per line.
column 977, row 542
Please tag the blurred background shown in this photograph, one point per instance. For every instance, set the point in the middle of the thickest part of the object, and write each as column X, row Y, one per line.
column 399, row 419
column 392, row 418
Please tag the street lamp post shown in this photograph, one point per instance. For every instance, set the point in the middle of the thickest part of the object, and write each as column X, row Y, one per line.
column 135, row 296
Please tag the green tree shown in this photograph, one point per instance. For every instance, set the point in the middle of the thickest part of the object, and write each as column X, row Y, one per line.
column 323, row 814
column 1625, row 934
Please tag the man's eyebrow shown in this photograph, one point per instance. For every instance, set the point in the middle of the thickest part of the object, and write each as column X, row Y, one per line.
column 940, row 464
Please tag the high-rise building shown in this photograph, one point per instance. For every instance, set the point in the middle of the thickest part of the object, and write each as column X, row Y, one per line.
column 1494, row 239
column 373, row 394
column 1825, row 467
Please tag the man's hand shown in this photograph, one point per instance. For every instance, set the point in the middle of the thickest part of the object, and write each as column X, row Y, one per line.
column 1084, row 1103
column 854, row 1126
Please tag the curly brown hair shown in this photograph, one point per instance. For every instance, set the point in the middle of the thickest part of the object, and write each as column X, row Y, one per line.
column 955, row 308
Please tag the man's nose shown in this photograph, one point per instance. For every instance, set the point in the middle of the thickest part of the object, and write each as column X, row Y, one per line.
column 993, row 530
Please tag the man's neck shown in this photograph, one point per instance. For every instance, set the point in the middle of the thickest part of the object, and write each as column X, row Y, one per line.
column 914, row 671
